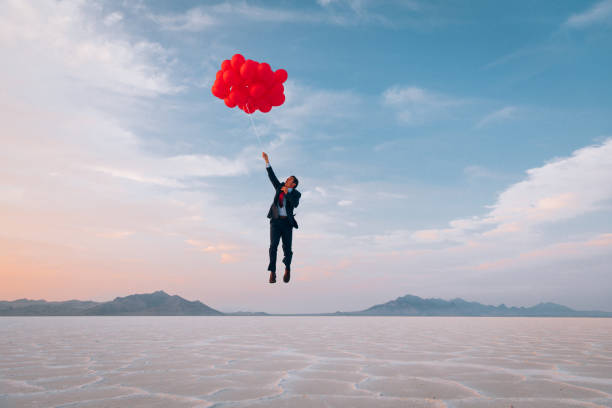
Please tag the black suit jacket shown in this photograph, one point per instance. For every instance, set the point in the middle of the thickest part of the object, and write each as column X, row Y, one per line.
column 293, row 199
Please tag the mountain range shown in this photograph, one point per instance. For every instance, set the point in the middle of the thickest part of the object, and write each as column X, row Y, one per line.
column 160, row 303
column 410, row 305
column 148, row 304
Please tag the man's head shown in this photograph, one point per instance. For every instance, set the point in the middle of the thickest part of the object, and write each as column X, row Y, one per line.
column 291, row 182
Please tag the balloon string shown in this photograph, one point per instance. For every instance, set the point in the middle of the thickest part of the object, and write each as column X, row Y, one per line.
column 254, row 128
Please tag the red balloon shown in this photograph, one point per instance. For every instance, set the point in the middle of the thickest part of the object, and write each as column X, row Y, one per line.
column 250, row 107
column 219, row 89
column 221, row 83
column 257, row 90
column 254, row 102
column 219, row 92
column 277, row 89
column 225, row 65
column 238, row 96
column 219, row 75
column 264, row 73
column 229, row 103
column 248, row 70
column 277, row 99
column 280, row 76
column 264, row 106
column 231, row 78
column 237, row 61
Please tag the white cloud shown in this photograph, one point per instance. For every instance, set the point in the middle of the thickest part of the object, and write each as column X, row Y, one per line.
column 417, row 105
column 563, row 251
column 598, row 13
column 51, row 34
column 205, row 17
column 502, row 114
column 228, row 253
column 135, row 176
column 345, row 203
column 194, row 19
column 348, row 12
column 334, row 12
column 113, row 18
column 561, row 189
column 169, row 171
column 386, row 195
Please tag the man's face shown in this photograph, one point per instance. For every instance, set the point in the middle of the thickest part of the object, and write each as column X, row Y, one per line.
column 290, row 182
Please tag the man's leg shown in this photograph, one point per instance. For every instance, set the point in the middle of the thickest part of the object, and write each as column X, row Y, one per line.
column 287, row 235
column 275, row 235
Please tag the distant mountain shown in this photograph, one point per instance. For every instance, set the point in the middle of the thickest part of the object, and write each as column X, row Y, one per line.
column 28, row 307
column 152, row 304
column 161, row 304
column 149, row 304
column 410, row 305
column 241, row 313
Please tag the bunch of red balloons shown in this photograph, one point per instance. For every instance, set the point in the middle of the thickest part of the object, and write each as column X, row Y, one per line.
column 250, row 85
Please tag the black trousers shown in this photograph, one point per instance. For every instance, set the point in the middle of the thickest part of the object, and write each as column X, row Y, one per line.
column 280, row 228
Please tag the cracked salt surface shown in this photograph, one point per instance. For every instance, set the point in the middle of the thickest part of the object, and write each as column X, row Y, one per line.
column 298, row 362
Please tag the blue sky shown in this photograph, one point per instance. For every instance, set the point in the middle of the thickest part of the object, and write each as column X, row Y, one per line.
column 444, row 149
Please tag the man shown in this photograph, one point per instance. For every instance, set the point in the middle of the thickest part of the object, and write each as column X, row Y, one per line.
column 282, row 220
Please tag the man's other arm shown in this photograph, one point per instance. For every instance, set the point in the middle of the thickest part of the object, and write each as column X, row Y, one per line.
column 294, row 197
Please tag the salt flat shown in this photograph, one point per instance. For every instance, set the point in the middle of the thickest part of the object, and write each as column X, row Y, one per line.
column 305, row 362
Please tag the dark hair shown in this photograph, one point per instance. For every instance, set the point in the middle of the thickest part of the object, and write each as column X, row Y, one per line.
column 296, row 180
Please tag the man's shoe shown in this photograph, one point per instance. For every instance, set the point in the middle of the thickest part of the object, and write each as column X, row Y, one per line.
column 272, row 277
column 287, row 275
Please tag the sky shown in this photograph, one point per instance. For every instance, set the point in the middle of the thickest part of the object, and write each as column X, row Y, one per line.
column 443, row 149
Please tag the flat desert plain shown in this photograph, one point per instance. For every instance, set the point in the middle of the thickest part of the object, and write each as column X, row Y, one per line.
column 335, row 361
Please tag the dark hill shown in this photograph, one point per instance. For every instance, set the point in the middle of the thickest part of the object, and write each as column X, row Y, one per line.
column 152, row 304
column 149, row 304
column 29, row 307
column 410, row 305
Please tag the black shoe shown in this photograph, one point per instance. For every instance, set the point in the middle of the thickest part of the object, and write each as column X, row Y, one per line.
column 272, row 277
column 287, row 275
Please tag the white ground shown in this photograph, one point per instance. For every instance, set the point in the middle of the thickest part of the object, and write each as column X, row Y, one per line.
column 305, row 362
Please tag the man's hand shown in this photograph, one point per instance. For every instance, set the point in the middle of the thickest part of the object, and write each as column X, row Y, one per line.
column 265, row 157
column 284, row 189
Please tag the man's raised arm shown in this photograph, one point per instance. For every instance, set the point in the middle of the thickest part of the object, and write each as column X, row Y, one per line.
column 271, row 174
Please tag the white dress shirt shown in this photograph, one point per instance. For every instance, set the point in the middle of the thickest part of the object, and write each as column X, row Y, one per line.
column 282, row 210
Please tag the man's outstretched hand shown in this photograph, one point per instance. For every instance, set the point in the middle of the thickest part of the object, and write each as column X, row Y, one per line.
column 265, row 157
